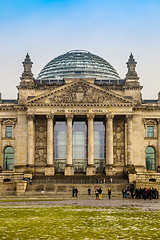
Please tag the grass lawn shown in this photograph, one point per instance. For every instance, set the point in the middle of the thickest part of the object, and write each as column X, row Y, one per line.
column 72, row 222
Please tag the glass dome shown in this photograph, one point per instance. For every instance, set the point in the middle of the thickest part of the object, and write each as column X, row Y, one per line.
column 78, row 64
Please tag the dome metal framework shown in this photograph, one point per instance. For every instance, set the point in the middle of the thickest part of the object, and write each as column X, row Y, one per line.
column 78, row 64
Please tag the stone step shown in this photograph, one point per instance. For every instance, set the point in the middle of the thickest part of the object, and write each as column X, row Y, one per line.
column 65, row 190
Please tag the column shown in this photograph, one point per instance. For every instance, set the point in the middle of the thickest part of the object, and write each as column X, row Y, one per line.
column 129, row 141
column 109, row 139
column 69, row 170
column 90, row 140
column 31, row 140
column 90, row 170
column 158, row 143
column 49, row 169
column 50, row 140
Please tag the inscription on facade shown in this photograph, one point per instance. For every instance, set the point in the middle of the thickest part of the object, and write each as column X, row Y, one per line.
column 80, row 111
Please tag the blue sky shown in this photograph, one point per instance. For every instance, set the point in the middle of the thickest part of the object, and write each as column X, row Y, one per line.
column 111, row 29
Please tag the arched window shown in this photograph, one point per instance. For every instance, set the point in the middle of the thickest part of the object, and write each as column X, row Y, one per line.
column 150, row 158
column 8, row 158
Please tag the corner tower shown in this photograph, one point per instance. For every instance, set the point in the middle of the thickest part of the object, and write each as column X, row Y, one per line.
column 132, row 85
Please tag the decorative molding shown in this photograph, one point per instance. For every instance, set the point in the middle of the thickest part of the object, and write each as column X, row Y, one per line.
column 9, row 121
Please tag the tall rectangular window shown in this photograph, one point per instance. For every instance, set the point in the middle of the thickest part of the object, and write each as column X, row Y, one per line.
column 60, row 134
column 8, row 131
column 150, row 131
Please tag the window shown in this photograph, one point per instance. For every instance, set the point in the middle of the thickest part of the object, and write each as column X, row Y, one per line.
column 8, row 131
column 8, row 158
column 150, row 158
column 99, row 140
column 150, row 131
column 60, row 133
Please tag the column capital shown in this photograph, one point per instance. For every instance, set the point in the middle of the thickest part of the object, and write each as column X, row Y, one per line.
column 90, row 116
column 69, row 116
column 31, row 117
column 109, row 116
column 50, row 116
column 158, row 120
column 129, row 117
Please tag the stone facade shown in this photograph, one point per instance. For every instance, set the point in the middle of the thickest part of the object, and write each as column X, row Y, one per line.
column 131, row 125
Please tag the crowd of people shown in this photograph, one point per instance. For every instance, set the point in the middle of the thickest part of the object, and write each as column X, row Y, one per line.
column 141, row 193
column 138, row 193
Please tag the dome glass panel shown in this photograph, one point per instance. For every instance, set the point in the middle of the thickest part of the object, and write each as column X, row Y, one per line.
column 78, row 64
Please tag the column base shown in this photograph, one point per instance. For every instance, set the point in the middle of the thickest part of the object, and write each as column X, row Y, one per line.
column 130, row 169
column 69, row 170
column 90, row 170
column 110, row 170
column 158, row 169
column 49, row 171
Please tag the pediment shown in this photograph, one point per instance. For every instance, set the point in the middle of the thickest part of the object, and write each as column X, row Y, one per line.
column 9, row 121
column 80, row 92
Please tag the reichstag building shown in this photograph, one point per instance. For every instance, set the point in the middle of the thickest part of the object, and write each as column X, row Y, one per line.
column 79, row 116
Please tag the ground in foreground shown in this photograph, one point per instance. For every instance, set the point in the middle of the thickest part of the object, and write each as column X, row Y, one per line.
column 77, row 222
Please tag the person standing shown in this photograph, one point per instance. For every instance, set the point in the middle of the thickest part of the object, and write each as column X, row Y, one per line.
column 76, row 192
column 97, row 193
column 89, row 191
column 109, row 193
column 73, row 191
column 123, row 191
column 100, row 193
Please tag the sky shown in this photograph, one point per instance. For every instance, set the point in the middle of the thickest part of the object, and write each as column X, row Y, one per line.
column 111, row 29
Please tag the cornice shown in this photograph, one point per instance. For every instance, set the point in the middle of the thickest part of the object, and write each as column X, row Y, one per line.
column 80, row 105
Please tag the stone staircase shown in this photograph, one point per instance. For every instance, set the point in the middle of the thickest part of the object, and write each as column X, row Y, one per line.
column 60, row 186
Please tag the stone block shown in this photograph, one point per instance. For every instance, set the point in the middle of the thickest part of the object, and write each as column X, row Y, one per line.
column 69, row 170
column 49, row 171
column 90, row 171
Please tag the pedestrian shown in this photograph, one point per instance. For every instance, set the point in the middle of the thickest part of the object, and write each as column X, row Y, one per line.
column 110, row 180
column 97, row 193
column 73, row 192
column 76, row 192
column 100, row 193
column 89, row 191
column 123, row 191
column 132, row 192
column 109, row 193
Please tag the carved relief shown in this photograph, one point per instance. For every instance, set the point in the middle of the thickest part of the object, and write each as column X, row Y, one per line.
column 119, row 141
column 82, row 93
column 40, row 140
